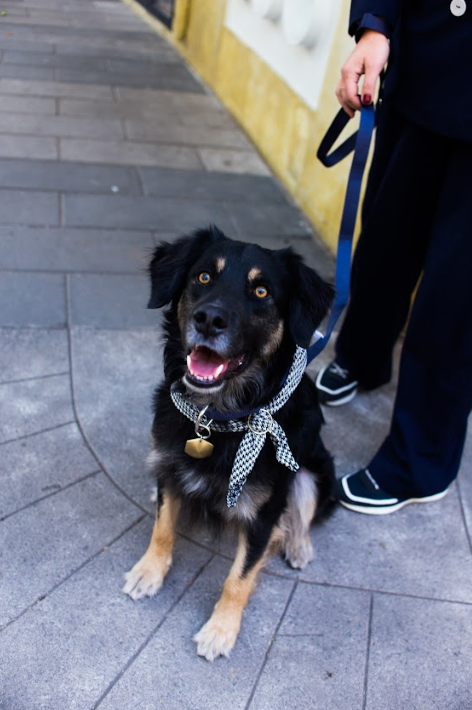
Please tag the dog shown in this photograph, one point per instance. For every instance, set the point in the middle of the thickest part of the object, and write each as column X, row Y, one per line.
column 239, row 322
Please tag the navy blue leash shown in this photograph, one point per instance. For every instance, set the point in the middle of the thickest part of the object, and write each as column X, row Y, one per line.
column 360, row 143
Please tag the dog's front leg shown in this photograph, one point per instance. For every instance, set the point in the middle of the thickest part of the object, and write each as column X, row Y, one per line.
column 218, row 636
column 147, row 575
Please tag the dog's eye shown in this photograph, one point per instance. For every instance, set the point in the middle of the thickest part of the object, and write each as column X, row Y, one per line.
column 261, row 292
column 204, row 277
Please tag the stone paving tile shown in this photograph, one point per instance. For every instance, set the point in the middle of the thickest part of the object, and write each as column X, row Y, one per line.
column 60, row 126
column 32, row 406
column 28, row 147
column 32, row 353
column 210, row 186
column 115, row 374
column 45, row 543
column 169, row 673
column 143, row 213
column 55, row 88
column 233, row 161
column 154, row 98
column 390, row 553
column 47, row 59
column 58, row 249
column 187, row 135
column 268, row 219
column 122, row 297
column 326, row 631
column 19, row 207
column 32, row 300
column 57, row 458
column 154, row 53
column 174, row 78
column 68, row 177
column 465, row 483
column 26, row 72
column 88, row 630
column 165, row 111
column 28, row 104
column 21, row 45
column 420, row 655
column 128, row 153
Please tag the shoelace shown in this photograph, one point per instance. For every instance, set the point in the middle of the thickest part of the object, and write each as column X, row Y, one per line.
column 338, row 370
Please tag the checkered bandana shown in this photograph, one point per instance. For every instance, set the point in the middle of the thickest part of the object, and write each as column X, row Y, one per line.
column 256, row 426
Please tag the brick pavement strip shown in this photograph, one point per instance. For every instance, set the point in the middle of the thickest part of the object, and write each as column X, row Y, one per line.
column 68, row 177
column 60, row 126
column 55, row 88
column 128, row 153
column 72, row 250
column 28, row 147
column 34, row 300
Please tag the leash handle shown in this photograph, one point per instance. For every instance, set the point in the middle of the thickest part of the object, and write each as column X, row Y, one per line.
column 360, row 142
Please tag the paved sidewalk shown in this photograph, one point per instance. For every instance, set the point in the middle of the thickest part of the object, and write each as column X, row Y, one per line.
column 108, row 143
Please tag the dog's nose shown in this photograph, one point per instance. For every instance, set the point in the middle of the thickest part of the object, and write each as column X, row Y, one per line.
column 210, row 320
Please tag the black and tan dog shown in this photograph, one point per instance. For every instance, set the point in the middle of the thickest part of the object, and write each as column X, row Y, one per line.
column 240, row 316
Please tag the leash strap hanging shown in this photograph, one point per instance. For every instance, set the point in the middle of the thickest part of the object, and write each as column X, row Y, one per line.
column 360, row 142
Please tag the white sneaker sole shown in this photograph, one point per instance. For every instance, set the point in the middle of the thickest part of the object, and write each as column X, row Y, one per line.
column 343, row 400
column 385, row 510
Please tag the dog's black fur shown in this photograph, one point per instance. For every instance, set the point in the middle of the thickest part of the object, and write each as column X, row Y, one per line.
column 251, row 306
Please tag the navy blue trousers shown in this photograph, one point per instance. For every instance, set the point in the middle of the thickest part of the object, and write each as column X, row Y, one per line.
column 416, row 225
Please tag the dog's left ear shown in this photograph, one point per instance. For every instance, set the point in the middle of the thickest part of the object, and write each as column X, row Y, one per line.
column 310, row 298
column 171, row 261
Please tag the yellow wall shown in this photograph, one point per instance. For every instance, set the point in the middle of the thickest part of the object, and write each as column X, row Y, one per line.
column 284, row 129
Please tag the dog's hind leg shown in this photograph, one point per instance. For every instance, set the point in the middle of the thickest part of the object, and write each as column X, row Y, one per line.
column 218, row 636
column 147, row 575
column 296, row 520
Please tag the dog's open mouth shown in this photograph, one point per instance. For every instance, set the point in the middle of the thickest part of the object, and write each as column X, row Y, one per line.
column 207, row 367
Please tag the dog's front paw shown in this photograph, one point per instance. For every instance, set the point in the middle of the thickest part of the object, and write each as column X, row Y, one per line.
column 300, row 554
column 217, row 637
column 146, row 577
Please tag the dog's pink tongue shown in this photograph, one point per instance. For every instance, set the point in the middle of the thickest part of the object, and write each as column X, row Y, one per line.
column 205, row 363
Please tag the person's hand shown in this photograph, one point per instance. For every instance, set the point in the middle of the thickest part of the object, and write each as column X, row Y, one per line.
column 368, row 58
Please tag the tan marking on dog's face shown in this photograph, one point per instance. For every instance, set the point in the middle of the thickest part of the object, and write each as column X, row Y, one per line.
column 220, row 264
column 275, row 340
column 254, row 274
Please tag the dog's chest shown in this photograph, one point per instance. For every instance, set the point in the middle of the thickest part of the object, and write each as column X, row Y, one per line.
column 206, row 483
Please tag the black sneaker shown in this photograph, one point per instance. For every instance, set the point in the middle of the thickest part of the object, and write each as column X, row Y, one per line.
column 335, row 385
column 360, row 492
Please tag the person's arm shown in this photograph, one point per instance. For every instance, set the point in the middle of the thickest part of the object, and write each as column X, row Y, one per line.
column 371, row 22
column 368, row 59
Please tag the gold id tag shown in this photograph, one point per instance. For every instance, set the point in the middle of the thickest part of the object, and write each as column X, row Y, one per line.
column 198, row 448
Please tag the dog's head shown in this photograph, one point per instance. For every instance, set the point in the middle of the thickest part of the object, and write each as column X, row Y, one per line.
column 240, row 309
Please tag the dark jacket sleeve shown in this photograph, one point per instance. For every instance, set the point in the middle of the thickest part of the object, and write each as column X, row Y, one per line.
column 388, row 9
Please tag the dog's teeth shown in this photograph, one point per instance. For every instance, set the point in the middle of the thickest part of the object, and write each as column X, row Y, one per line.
column 189, row 363
column 218, row 372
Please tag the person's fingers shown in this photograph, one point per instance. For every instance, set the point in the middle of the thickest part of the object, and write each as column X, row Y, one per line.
column 347, row 97
column 340, row 95
column 368, row 88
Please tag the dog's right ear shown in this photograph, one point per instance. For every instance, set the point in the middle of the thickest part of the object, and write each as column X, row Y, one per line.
column 171, row 261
